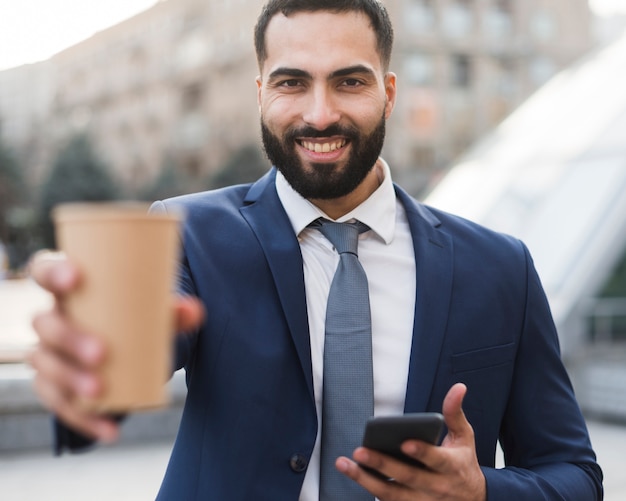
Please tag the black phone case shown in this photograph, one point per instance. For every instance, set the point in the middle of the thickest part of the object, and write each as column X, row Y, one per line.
column 387, row 433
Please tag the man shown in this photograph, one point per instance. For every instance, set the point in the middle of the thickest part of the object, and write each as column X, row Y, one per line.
column 451, row 303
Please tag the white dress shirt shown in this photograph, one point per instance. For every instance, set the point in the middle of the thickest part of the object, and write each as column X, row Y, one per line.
column 387, row 256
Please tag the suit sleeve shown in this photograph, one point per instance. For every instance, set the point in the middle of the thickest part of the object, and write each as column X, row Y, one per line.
column 185, row 286
column 548, row 454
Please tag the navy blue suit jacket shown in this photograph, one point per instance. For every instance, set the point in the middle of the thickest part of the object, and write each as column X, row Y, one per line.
column 481, row 318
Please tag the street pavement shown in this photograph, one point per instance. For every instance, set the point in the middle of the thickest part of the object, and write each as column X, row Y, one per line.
column 19, row 301
column 133, row 472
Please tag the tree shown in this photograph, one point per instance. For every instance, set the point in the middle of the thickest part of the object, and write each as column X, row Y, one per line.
column 77, row 175
column 169, row 183
column 616, row 286
column 246, row 165
column 17, row 228
column 12, row 188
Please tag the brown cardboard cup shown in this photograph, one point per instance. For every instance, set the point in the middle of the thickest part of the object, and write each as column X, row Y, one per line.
column 127, row 258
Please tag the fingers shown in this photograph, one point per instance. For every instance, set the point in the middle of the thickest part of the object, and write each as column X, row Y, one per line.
column 392, row 485
column 369, row 481
column 189, row 313
column 452, row 404
column 451, row 470
column 60, row 385
column 458, row 426
column 65, row 361
column 56, row 335
column 53, row 272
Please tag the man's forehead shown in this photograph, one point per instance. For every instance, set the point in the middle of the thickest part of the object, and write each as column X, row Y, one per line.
column 328, row 32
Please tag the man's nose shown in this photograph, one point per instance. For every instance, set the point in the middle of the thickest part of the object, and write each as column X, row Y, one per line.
column 322, row 110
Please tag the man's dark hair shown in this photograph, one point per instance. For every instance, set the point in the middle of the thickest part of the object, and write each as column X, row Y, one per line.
column 374, row 9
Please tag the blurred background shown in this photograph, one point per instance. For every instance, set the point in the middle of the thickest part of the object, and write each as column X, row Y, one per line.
column 511, row 113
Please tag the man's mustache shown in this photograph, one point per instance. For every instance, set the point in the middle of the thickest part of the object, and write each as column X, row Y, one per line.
column 333, row 130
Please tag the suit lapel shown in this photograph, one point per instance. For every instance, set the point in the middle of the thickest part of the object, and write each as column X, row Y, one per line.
column 433, row 257
column 268, row 220
column 433, row 260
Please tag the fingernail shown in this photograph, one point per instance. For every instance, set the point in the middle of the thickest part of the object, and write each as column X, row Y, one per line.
column 342, row 465
column 411, row 448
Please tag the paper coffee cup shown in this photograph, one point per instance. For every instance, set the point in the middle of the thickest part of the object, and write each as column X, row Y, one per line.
column 128, row 260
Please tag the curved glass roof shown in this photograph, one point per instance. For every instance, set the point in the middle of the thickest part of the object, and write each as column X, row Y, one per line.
column 554, row 175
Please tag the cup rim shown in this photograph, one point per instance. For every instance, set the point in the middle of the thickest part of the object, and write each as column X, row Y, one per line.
column 72, row 211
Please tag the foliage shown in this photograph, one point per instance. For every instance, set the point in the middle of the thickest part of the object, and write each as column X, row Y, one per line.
column 12, row 187
column 616, row 286
column 170, row 182
column 76, row 175
column 246, row 165
column 17, row 231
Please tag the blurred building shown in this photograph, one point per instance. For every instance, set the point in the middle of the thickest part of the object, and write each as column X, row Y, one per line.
column 554, row 175
column 26, row 95
column 176, row 82
column 464, row 65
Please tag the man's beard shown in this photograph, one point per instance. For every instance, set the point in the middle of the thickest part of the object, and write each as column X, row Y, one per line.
column 323, row 181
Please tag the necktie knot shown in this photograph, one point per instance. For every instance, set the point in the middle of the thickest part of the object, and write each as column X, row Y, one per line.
column 344, row 236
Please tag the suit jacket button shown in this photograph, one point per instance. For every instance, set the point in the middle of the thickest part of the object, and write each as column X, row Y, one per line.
column 298, row 463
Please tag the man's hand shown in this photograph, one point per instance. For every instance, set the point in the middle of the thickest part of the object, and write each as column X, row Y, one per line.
column 452, row 470
column 66, row 360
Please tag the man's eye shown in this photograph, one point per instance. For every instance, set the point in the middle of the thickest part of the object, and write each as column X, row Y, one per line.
column 351, row 82
column 290, row 83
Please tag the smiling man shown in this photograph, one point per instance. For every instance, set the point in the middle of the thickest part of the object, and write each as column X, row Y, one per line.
column 457, row 321
column 324, row 105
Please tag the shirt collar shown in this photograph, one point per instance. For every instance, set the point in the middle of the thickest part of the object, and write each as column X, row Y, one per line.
column 378, row 211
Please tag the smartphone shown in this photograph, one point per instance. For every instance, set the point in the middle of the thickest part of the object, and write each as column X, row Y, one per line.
column 387, row 433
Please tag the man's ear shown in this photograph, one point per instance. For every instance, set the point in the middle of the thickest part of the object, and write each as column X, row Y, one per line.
column 390, row 92
column 259, row 88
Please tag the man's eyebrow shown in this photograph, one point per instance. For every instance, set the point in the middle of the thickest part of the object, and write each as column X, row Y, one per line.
column 343, row 72
column 352, row 70
column 288, row 72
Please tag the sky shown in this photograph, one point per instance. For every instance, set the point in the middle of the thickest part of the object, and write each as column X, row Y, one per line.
column 34, row 30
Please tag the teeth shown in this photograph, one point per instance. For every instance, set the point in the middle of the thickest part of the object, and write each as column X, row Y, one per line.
column 325, row 147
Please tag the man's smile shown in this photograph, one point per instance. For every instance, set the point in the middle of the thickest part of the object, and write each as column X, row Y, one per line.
column 322, row 147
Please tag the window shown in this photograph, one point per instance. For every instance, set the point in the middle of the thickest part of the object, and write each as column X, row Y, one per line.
column 542, row 26
column 498, row 20
column 461, row 71
column 419, row 69
column 541, row 70
column 420, row 16
column 505, row 83
column 458, row 19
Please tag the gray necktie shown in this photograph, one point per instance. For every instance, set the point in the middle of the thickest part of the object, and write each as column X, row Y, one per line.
column 348, row 388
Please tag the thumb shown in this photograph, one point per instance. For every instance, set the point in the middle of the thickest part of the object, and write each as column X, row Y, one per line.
column 458, row 426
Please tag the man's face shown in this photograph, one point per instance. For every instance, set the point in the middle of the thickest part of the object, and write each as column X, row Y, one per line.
column 324, row 100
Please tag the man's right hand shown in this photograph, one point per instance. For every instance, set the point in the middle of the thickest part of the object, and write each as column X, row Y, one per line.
column 66, row 359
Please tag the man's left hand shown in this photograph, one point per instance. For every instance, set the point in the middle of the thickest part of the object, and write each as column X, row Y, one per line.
column 452, row 471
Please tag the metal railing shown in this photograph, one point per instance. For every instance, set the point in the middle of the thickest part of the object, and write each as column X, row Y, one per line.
column 607, row 319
